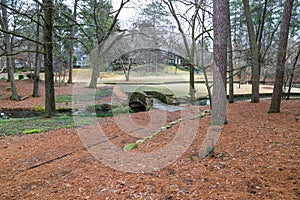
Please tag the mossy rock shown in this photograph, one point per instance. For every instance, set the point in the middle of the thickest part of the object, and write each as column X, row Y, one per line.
column 167, row 98
column 99, row 108
column 140, row 101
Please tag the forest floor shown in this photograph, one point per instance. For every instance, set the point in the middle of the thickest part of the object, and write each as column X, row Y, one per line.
column 256, row 157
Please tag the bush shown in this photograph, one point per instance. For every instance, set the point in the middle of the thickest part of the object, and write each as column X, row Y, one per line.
column 121, row 110
column 30, row 75
column 39, row 108
column 21, row 77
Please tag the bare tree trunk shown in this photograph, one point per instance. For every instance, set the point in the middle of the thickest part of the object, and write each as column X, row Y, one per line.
column 283, row 39
column 254, row 54
column 218, row 117
column 204, row 69
column 230, row 63
column 126, row 70
column 8, row 52
column 260, row 36
column 220, row 23
column 8, row 69
column 48, row 46
column 95, row 76
column 36, row 76
column 70, row 80
column 207, row 85
column 292, row 75
column 192, row 82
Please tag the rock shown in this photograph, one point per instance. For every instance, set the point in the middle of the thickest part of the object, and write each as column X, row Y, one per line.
column 5, row 116
column 165, row 98
column 139, row 101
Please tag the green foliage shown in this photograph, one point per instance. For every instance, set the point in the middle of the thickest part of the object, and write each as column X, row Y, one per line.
column 103, row 92
column 97, row 19
column 295, row 22
column 191, row 158
column 104, row 114
column 39, row 124
column 105, row 110
column 141, row 141
column 63, row 98
column 20, row 77
column 39, row 108
column 155, row 15
column 32, row 131
column 63, row 109
column 121, row 110
column 97, row 108
column 130, row 146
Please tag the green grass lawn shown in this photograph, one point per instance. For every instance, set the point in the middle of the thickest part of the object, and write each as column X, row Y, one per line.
column 103, row 92
column 39, row 124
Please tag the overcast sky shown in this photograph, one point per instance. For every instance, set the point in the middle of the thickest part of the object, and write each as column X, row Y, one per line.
column 130, row 11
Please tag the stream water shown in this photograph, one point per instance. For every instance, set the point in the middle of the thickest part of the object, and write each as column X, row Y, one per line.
column 11, row 113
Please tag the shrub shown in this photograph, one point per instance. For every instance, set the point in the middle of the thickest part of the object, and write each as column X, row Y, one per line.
column 39, row 108
column 30, row 75
column 21, row 77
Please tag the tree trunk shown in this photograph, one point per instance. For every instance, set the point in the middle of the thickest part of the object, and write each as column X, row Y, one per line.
column 48, row 59
column 192, row 82
column 254, row 53
column 292, row 75
column 204, row 68
column 230, row 63
column 70, row 80
column 8, row 51
column 36, row 76
column 260, row 36
column 281, row 54
column 126, row 70
column 218, row 117
column 220, row 23
column 190, row 50
column 207, row 85
column 95, row 75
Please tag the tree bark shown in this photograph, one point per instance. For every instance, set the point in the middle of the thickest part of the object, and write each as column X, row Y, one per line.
column 260, row 36
column 204, row 68
column 8, row 51
column 218, row 114
column 36, row 76
column 230, row 62
column 48, row 58
column 70, row 80
column 95, row 75
column 292, row 75
column 254, row 53
column 220, row 23
column 281, row 54
column 192, row 82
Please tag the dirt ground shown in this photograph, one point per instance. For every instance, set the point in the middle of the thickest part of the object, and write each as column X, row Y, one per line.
column 256, row 157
